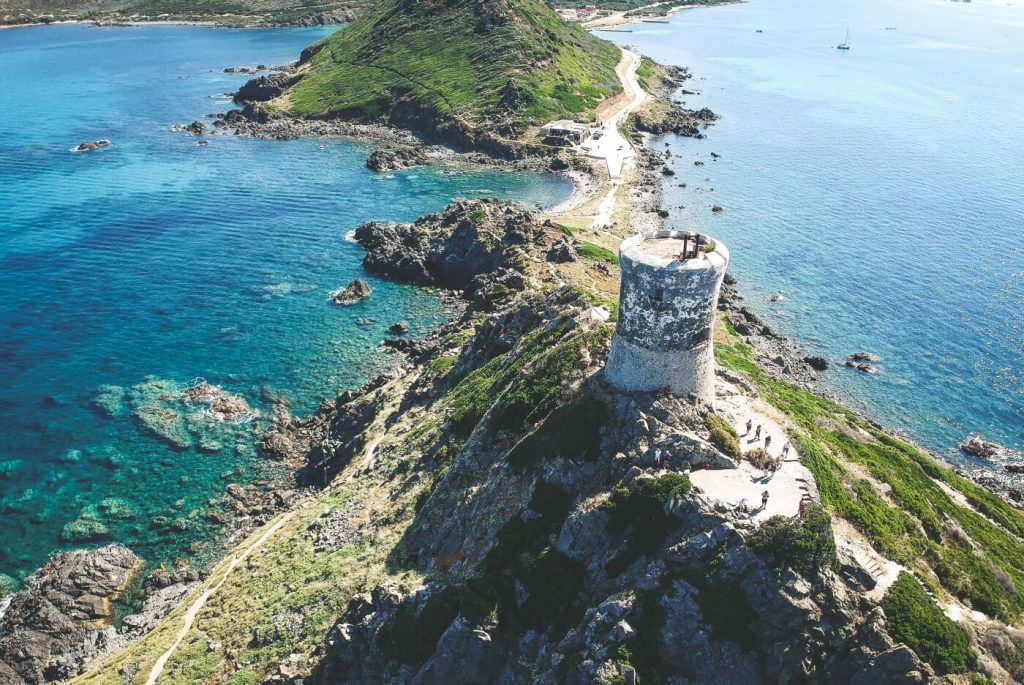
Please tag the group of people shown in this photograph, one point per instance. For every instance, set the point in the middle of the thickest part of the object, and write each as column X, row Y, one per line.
column 744, row 506
column 770, row 465
column 662, row 459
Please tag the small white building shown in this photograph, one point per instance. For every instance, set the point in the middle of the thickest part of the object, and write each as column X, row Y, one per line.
column 564, row 132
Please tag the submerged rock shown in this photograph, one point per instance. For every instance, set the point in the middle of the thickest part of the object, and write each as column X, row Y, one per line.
column 356, row 291
column 165, row 423
column 861, row 366
column 89, row 146
column 84, row 529
column 109, row 401
column 199, row 415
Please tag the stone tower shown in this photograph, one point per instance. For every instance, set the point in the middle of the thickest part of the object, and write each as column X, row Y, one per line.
column 667, row 302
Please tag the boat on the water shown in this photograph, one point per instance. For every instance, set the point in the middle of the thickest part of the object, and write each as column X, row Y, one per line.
column 845, row 45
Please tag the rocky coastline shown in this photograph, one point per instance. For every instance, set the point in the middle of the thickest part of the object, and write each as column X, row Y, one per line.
column 474, row 248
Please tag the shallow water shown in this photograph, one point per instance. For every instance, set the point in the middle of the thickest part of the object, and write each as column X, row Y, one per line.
column 158, row 258
column 880, row 190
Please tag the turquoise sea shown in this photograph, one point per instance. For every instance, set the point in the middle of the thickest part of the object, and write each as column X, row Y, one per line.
column 880, row 190
column 156, row 261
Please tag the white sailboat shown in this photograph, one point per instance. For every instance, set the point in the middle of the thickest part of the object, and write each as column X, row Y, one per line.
column 845, row 45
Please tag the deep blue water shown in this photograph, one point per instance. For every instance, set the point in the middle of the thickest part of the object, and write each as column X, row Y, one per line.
column 880, row 190
column 158, row 258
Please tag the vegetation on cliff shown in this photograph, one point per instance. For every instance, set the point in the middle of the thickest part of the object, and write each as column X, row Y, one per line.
column 915, row 619
column 479, row 62
column 494, row 488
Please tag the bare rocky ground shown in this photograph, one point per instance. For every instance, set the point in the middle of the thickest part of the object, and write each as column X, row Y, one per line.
column 54, row 625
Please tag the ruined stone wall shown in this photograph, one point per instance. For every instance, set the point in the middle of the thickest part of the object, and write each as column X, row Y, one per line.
column 666, row 316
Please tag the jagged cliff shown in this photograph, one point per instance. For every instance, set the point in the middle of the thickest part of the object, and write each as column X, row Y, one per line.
column 492, row 511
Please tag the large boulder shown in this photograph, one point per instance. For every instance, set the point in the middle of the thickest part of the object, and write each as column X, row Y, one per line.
column 49, row 628
column 356, row 291
column 398, row 157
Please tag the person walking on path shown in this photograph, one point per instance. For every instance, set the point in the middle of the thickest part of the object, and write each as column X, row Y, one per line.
column 757, row 433
column 764, row 500
column 767, row 442
column 785, row 449
column 750, row 423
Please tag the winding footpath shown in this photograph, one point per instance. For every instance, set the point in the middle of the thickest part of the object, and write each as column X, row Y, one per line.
column 609, row 144
column 200, row 601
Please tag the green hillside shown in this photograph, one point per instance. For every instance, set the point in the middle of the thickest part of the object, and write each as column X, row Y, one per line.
column 247, row 12
column 458, row 60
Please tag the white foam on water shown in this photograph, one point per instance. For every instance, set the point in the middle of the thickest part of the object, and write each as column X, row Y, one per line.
column 5, row 602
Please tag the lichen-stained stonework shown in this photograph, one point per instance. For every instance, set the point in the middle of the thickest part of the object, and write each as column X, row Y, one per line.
column 667, row 301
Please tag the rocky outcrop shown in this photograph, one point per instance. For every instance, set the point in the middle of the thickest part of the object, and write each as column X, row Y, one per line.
column 356, row 291
column 471, row 246
column 690, row 619
column 675, row 119
column 1006, row 479
column 817, row 363
column 394, row 158
column 264, row 88
column 50, row 627
column 977, row 446
column 196, row 128
column 89, row 146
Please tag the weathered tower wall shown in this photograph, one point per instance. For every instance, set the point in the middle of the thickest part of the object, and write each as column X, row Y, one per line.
column 667, row 302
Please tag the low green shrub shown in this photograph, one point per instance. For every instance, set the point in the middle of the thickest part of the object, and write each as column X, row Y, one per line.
column 723, row 436
column 805, row 544
column 442, row 365
column 914, row 619
column 596, row 252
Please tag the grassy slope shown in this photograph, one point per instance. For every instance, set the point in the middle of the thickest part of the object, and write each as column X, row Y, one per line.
column 285, row 597
column 914, row 509
column 435, row 51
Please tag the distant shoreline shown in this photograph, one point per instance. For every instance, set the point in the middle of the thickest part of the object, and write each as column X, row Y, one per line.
column 101, row 23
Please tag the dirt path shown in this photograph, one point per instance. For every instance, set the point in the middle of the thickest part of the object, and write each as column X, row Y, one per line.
column 200, row 601
column 786, row 488
column 608, row 143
